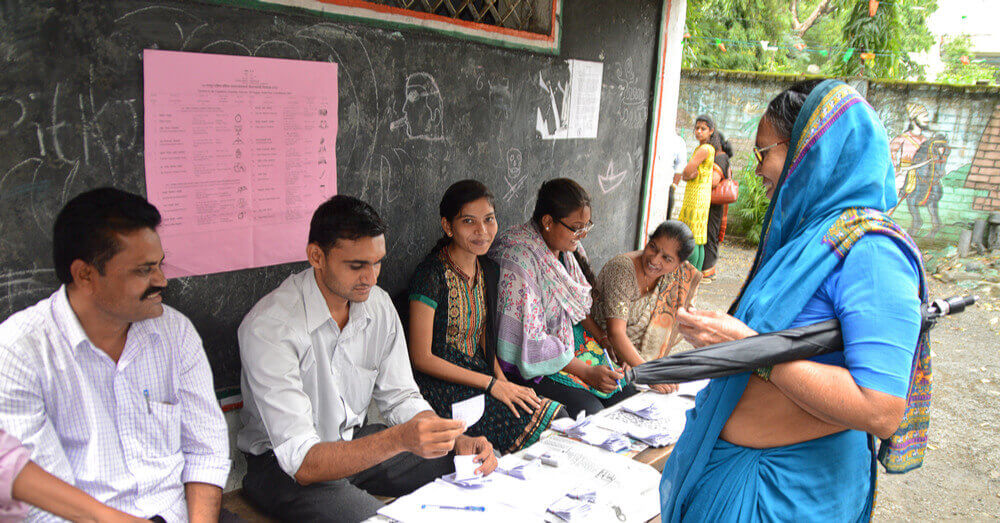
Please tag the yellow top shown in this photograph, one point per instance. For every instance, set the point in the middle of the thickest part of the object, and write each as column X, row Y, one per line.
column 698, row 197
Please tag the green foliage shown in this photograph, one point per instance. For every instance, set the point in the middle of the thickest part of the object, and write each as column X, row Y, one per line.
column 748, row 21
column 955, row 71
column 899, row 27
column 887, row 36
column 746, row 216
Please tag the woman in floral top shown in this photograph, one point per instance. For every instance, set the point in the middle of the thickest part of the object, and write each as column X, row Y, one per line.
column 452, row 326
column 638, row 294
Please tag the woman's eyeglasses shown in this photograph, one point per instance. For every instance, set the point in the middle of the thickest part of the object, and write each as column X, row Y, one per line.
column 761, row 152
column 578, row 233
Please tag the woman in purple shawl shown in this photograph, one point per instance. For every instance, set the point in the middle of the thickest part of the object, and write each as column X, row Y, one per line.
column 547, row 339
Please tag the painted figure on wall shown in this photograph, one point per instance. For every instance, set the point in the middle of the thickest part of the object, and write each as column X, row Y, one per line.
column 920, row 159
column 928, row 169
column 904, row 147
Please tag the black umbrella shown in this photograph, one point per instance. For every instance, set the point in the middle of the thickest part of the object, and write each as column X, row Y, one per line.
column 734, row 357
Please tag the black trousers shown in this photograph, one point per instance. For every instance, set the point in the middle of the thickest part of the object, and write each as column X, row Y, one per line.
column 712, row 245
column 577, row 400
column 351, row 499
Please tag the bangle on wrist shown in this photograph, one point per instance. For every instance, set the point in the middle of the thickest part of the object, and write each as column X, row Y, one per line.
column 763, row 373
column 493, row 382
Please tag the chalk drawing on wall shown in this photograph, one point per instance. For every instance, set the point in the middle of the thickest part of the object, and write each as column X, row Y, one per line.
column 501, row 101
column 423, row 109
column 515, row 176
column 634, row 103
column 920, row 159
column 611, row 178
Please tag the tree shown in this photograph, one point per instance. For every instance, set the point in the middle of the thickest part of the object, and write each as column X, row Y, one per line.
column 953, row 50
column 804, row 33
column 882, row 43
column 824, row 7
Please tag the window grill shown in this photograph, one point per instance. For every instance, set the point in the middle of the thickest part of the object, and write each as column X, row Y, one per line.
column 511, row 14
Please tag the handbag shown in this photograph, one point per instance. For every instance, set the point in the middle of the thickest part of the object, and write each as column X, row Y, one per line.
column 727, row 191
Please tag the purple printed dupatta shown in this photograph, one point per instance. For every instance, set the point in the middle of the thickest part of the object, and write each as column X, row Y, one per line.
column 539, row 300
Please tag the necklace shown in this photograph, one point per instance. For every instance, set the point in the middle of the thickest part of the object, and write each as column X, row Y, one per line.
column 645, row 287
column 475, row 268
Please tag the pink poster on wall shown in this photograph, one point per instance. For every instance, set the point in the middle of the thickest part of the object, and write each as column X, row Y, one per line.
column 239, row 153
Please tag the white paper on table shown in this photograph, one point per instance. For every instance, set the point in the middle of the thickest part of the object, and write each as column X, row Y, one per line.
column 619, row 481
column 470, row 410
column 504, row 499
column 618, row 420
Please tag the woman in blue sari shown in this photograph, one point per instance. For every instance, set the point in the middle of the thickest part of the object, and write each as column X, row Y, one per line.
column 794, row 442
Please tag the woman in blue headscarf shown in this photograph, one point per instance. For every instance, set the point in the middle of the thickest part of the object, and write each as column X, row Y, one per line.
column 794, row 442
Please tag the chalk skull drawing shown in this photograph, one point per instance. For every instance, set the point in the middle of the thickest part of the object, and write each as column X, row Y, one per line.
column 423, row 110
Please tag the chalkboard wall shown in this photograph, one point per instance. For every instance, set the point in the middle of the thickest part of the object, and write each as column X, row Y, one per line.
column 71, row 119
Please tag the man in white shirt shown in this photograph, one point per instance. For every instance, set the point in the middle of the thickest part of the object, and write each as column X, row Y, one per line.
column 315, row 352
column 109, row 388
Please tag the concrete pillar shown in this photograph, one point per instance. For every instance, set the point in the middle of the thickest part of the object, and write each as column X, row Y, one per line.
column 659, row 167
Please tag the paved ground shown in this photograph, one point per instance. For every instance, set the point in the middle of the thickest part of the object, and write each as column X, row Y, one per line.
column 960, row 479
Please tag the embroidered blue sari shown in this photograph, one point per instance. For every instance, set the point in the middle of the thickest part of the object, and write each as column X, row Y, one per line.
column 838, row 160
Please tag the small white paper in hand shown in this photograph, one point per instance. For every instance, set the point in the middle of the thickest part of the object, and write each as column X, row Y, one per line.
column 465, row 467
column 469, row 410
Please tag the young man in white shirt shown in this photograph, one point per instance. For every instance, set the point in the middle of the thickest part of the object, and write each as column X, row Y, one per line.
column 109, row 388
column 315, row 352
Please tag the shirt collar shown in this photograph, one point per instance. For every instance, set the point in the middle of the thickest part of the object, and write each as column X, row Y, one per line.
column 69, row 324
column 66, row 319
column 317, row 311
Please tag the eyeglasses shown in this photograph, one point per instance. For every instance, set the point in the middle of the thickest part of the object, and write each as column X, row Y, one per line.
column 578, row 233
column 760, row 152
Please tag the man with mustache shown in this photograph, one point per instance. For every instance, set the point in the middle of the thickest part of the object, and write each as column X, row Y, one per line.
column 315, row 352
column 109, row 388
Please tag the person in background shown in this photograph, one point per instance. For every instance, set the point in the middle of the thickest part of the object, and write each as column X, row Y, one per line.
column 679, row 156
column 108, row 387
column 453, row 334
column 24, row 484
column 698, row 191
column 638, row 294
column 717, row 212
column 795, row 442
column 316, row 352
column 547, row 339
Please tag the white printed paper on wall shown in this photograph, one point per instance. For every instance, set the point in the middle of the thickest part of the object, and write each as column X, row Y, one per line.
column 573, row 104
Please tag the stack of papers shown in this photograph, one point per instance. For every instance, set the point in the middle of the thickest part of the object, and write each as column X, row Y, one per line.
column 653, row 437
column 588, row 494
column 569, row 509
column 647, row 410
column 525, row 470
column 605, row 439
column 474, row 482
